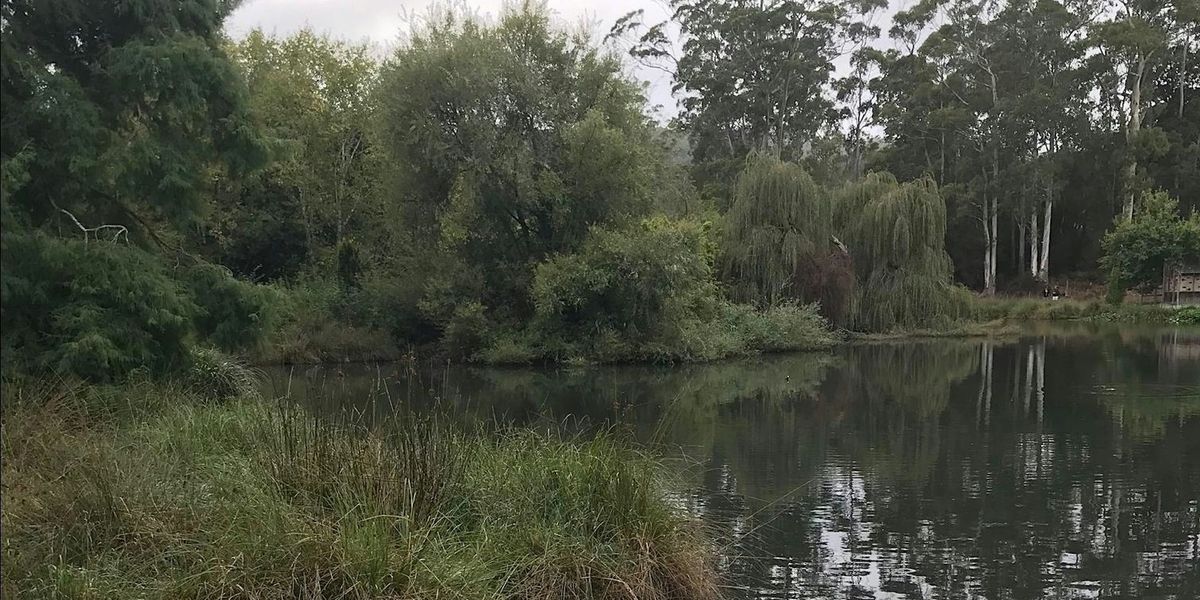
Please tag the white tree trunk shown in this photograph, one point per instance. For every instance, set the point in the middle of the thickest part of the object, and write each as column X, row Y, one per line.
column 1044, row 264
column 993, row 246
column 1028, row 379
column 1034, row 258
column 1131, row 132
column 988, row 221
column 1021, row 243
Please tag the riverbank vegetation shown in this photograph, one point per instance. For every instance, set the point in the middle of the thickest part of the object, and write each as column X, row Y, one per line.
column 150, row 491
column 494, row 190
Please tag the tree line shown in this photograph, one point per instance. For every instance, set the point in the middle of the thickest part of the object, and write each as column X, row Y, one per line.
column 497, row 190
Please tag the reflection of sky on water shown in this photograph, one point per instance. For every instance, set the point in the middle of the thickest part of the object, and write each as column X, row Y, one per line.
column 1062, row 465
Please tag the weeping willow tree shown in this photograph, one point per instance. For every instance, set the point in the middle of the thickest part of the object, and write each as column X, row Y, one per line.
column 896, row 236
column 778, row 238
column 853, row 199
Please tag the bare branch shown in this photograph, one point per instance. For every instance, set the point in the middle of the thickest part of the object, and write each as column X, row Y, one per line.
column 119, row 231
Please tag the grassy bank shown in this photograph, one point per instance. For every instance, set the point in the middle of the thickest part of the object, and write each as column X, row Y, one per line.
column 145, row 493
column 1001, row 317
column 997, row 328
column 1040, row 309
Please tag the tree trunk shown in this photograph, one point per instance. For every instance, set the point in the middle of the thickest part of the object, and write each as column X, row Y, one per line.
column 1021, row 244
column 989, row 243
column 985, row 383
column 1044, row 265
column 1131, row 132
column 994, row 247
column 1034, row 259
column 1028, row 378
column 1182, row 76
column 942, row 160
column 1041, row 381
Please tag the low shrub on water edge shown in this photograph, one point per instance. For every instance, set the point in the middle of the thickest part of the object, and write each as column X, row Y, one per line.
column 1188, row 315
column 243, row 499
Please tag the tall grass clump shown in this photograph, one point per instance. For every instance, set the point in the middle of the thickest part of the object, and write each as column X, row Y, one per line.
column 244, row 499
column 214, row 375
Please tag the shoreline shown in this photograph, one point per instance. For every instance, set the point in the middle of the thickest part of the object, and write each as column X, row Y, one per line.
column 1009, row 318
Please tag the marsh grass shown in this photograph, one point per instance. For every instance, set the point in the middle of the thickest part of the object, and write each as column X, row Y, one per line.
column 247, row 499
column 214, row 375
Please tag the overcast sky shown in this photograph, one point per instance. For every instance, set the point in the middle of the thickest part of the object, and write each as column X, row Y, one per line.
column 380, row 22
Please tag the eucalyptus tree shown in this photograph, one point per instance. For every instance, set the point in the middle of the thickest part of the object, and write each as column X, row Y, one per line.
column 997, row 100
column 1136, row 40
column 1175, row 111
column 955, row 112
column 753, row 76
column 1049, row 111
column 853, row 90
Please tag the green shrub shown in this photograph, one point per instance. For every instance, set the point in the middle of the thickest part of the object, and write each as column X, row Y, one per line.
column 95, row 310
column 1189, row 315
column 786, row 327
column 1136, row 251
column 511, row 348
column 393, row 304
column 233, row 314
column 310, row 329
column 629, row 280
column 467, row 331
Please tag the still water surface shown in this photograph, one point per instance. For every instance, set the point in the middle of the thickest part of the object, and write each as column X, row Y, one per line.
column 1064, row 464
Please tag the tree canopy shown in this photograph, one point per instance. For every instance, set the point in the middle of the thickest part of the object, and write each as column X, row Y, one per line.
column 117, row 117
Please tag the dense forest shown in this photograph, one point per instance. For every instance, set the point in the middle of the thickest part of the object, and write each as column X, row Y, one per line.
column 496, row 189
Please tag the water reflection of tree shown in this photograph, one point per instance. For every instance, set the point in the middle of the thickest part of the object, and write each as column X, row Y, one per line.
column 972, row 469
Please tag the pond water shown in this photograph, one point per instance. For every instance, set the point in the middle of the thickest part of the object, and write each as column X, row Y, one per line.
column 1061, row 464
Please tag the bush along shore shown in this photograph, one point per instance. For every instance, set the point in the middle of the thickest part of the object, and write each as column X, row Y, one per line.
column 729, row 331
column 150, row 491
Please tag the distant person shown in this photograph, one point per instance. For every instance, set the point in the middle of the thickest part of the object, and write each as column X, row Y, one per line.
column 1056, row 293
column 1045, row 292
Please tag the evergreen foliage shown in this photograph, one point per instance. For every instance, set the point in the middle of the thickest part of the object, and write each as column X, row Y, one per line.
column 635, row 281
column 117, row 118
column 120, row 108
column 233, row 314
column 95, row 310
